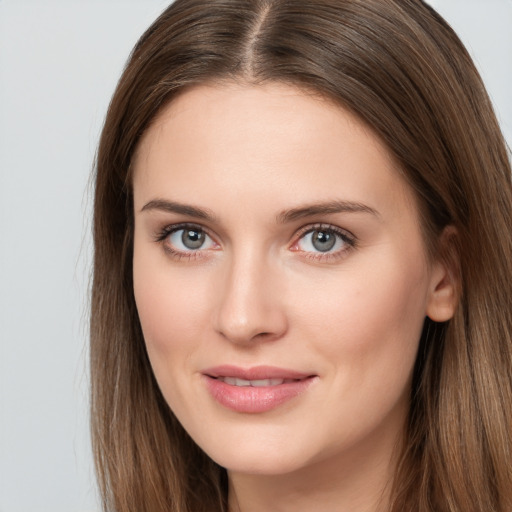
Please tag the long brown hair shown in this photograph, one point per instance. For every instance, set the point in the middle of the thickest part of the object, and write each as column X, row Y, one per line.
column 399, row 67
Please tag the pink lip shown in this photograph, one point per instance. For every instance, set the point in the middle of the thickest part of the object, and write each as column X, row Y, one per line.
column 249, row 399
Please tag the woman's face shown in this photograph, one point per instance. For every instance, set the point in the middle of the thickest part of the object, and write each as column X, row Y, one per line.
column 280, row 277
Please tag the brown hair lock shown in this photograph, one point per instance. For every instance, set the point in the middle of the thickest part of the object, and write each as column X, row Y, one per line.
column 401, row 69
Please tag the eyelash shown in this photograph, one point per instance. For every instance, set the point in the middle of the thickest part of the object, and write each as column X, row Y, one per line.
column 167, row 231
column 348, row 239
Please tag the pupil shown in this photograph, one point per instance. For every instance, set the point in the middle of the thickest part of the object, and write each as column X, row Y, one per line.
column 323, row 241
column 192, row 238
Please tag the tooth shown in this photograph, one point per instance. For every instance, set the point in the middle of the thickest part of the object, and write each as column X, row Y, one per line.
column 266, row 382
column 233, row 381
column 260, row 383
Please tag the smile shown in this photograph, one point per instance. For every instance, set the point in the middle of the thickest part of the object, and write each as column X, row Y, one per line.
column 255, row 390
column 259, row 383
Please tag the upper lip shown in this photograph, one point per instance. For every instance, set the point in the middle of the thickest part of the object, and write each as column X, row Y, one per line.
column 255, row 372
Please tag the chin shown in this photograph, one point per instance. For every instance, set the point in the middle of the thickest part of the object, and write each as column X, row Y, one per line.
column 260, row 453
column 270, row 464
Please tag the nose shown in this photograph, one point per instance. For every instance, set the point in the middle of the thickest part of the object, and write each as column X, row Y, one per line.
column 251, row 306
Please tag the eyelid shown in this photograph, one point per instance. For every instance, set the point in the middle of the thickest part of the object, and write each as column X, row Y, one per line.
column 344, row 233
column 347, row 237
column 163, row 234
column 326, row 226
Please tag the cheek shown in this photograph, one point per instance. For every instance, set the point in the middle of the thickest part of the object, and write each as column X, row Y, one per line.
column 171, row 309
column 381, row 298
column 368, row 325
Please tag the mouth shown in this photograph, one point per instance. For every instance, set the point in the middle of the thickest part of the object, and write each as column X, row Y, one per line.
column 255, row 390
column 273, row 374
column 258, row 383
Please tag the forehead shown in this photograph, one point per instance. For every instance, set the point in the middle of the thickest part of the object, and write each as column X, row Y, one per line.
column 269, row 142
column 263, row 111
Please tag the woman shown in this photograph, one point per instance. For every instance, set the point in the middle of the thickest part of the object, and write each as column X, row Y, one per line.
column 302, row 249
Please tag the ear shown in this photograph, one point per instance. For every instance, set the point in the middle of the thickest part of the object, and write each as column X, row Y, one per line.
column 445, row 281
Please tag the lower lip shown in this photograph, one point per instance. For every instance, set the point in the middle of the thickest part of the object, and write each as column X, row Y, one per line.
column 249, row 399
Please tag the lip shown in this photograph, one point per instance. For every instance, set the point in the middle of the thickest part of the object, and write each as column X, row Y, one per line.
column 249, row 399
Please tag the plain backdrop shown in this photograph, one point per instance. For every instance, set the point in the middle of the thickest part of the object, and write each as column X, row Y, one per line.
column 59, row 63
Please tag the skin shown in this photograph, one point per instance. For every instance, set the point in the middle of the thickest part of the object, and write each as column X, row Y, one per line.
column 258, row 292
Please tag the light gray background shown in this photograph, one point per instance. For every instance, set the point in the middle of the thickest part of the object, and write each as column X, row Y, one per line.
column 59, row 62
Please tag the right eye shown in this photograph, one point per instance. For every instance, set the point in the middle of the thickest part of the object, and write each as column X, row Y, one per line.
column 186, row 241
column 189, row 239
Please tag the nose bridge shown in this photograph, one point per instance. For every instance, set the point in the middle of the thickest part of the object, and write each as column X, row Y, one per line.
column 249, row 306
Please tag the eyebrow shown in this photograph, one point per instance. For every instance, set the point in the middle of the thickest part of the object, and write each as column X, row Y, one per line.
column 324, row 209
column 283, row 217
column 174, row 207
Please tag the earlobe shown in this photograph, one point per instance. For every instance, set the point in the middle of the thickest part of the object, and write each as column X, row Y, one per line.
column 445, row 279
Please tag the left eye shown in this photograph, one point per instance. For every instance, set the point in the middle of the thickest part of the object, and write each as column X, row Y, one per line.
column 322, row 240
column 190, row 239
